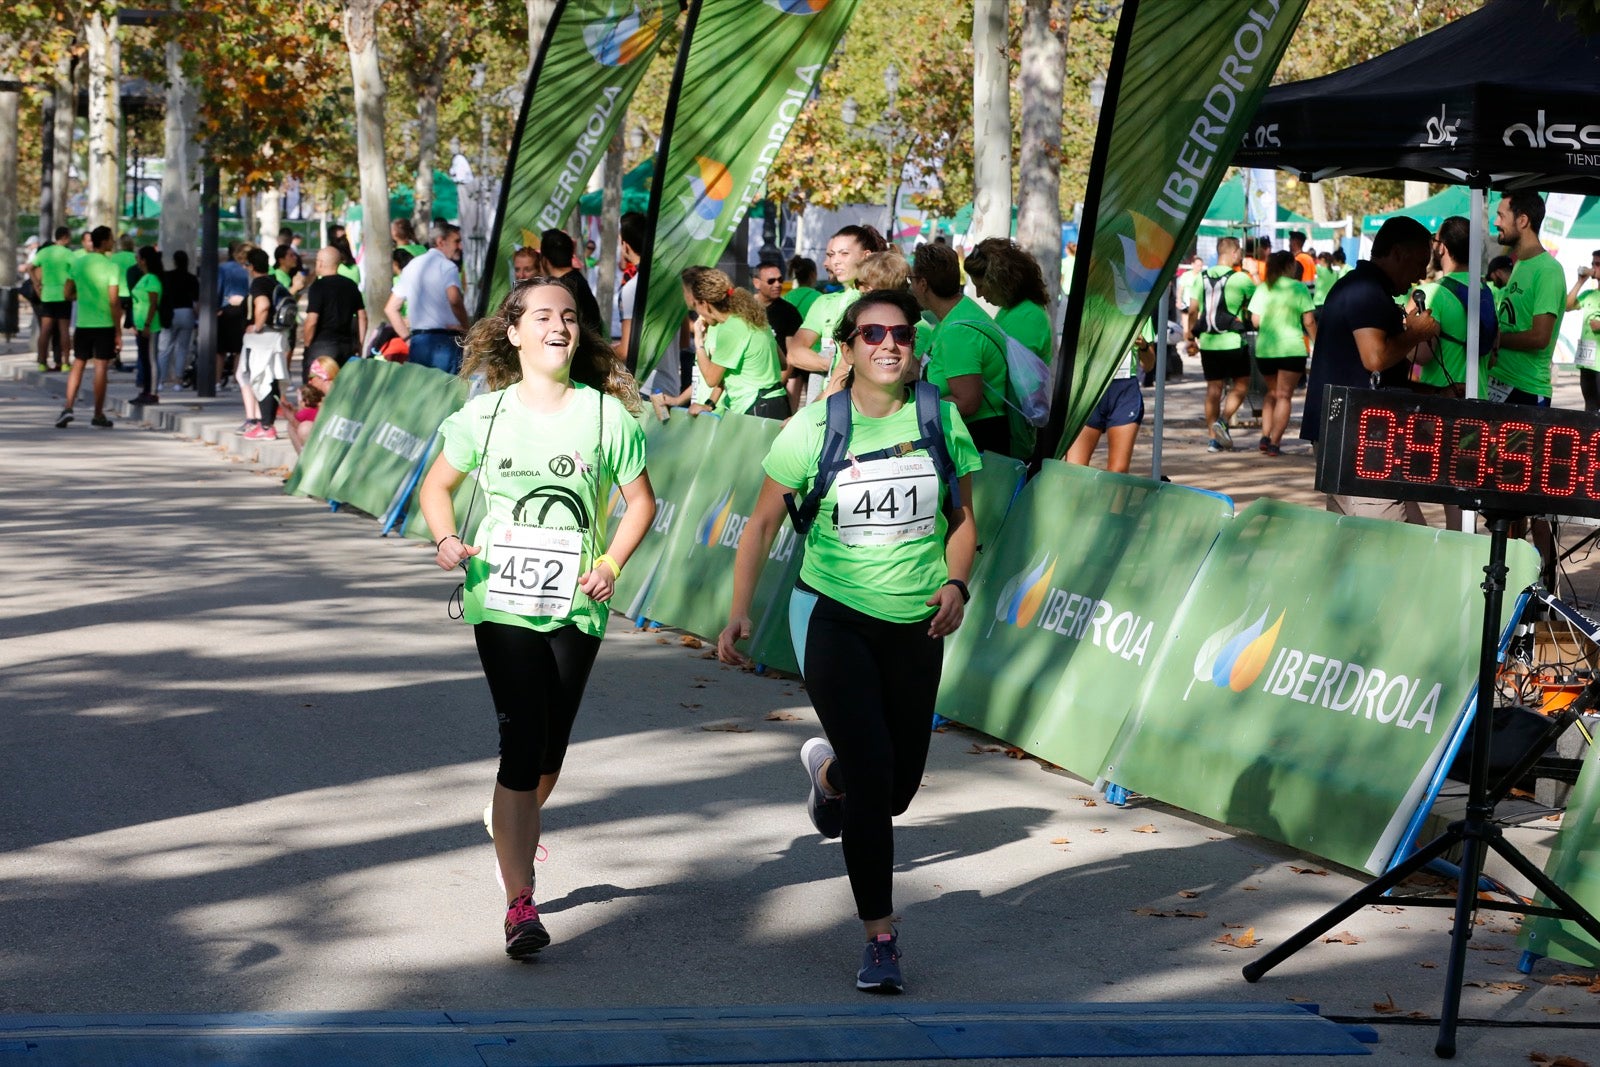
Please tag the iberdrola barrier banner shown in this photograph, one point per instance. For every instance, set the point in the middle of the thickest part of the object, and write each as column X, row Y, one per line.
column 1184, row 81
column 674, row 451
column 1574, row 865
column 405, row 404
column 1067, row 618
column 745, row 68
column 593, row 54
column 695, row 583
column 1311, row 703
column 339, row 423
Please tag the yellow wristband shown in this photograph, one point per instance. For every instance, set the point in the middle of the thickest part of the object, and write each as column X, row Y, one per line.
column 616, row 571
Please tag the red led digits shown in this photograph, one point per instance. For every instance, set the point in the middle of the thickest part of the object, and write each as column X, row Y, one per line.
column 1375, row 444
column 1424, row 436
column 1469, row 460
column 1515, row 473
column 1563, row 449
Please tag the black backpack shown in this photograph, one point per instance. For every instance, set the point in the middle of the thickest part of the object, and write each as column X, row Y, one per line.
column 1214, row 314
column 285, row 311
column 836, row 447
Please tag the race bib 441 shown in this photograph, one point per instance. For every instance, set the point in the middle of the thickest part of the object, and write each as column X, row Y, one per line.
column 886, row 501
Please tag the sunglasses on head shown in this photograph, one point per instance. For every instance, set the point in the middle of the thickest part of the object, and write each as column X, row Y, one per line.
column 874, row 333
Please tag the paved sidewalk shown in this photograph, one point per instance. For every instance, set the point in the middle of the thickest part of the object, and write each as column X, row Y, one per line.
column 247, row 755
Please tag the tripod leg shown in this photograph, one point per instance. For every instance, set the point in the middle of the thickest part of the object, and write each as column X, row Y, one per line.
column 1372, row 893
column 1543, row 883
column 1472, row 850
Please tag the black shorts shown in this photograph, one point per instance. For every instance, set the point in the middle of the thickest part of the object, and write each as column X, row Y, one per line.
column 95, row 342
column 1225, row 363
column 55, row 309
column 1522, row 396
column 1273, row 364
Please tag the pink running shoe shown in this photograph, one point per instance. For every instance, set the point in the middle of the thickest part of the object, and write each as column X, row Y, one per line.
column 259, row 432
column 525, row 934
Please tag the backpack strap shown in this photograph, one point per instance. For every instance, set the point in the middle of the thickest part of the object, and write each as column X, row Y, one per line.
column 930, row 424
column 832, row 460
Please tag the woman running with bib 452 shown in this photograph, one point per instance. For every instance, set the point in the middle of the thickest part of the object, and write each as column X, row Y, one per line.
column 884, row 579
column 544, row 445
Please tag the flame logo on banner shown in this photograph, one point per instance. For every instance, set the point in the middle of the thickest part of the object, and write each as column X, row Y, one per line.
column 1142, row 259
column 798, row 7
column 1020, row 597
column 711, row 187
column 709, row 532
column 1234, row 656
column 617, row 40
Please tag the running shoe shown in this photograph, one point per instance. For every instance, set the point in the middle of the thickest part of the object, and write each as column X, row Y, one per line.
column 827, row 813
column 245, row 426
column 880, row 966
column 144, row 399
column 102, row 422
column 1215, row 446
column 63, row 418
column 260, row 432
column 1220, row 434
column 1271, row 449
column 525, row 934
column 1266, row 443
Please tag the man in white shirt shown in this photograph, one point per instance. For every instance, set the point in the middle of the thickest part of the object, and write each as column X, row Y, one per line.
column 430, row 290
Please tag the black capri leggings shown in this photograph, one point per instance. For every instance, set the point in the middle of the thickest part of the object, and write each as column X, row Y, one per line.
column 873, row 683
column 536, row 678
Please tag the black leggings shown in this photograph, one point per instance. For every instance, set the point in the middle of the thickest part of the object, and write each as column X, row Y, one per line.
column 873, row 684
column 536, row 678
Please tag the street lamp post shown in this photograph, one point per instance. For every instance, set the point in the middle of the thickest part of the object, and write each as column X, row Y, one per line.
column 889, row 132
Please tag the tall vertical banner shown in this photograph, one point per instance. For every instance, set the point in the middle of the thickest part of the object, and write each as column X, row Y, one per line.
column 744, row 72
column 593, row 54
column 1161, row 151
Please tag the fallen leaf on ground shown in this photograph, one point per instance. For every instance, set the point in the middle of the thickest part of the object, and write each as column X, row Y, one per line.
column 1552, row 818
column 983, row 750
column 1016, row 753
column 1298, row 1000
column 1234, row 926
column 687, row 704
column 782, row 716
column 725, row 727
column 709, row 655
column 1090, row 803
column 663, row 641
column 1387, row 909
column 1244, row 940
column 1147, row 828
column 1547, row 1060
column 1099, row 830
column 690, row 641
column 1343, row 937
column 1386, row 1006
column 1188, row 894
column 1568, row 979
column 1486, row 946
column 1498, row 987
column 1552, row 1010
column 1176, row 913
column 1427, row 964
column 1059, row 841
column 1250, row 888
column 1307, row 870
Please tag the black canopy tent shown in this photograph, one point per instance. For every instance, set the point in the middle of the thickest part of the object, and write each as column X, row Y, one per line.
column 1507, row 97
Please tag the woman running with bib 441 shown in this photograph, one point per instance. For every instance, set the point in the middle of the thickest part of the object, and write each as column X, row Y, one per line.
column 884, row 579
column 544, row 445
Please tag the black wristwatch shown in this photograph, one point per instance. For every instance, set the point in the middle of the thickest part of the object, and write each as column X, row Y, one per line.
column 966, row 597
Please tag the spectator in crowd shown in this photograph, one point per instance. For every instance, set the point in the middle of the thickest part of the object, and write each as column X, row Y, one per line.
column 347, row 258
column 967, row 359
column 127, row 261
column 1218, row 320
column 262, row 363
column 782, row 316
column 319, row 381
column 96, row 283
column 1305, row 264
column 147, row 322
column 1007, row 276
column 558, row 250
column 1365, row 338
column 336, row 314
column 286, row 269
column 180, row 296
column 403, row 236
column 733, row 346
column 233, row 289
column 51, row 266
column 804, row 290
column 633, row 244
column 1281, row 313
column 526, row 265
column 430, row 291
column 1587, row 304
column 1497, row 274
column 1531, row 306
column 1120, row 411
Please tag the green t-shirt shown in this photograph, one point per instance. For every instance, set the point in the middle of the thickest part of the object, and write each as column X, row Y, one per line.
column 1190, row 291
column 415, row 249
column 1326, row 276
column 55, row 267
column 1537, row 287
column 802, row 297
column 823, row 316
column 1450, row 351
column 886, row 581
column 1028, row 323
column 562, row 464
column 1589, row 308
column 95, row 274
column 1236, row 293
column 148, row 284
column 281, row 276
column 124, row 260
column 1279, row 310
column 751, row 359
column 968, row 342
column 351, row 271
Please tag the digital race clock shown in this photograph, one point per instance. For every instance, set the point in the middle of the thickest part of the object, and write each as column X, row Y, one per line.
column 1479, row 454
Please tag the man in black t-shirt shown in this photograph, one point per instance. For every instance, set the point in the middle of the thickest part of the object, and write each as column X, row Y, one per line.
column 1364, row 340
column 336, row 315
column 782, row 316
column 557, row 249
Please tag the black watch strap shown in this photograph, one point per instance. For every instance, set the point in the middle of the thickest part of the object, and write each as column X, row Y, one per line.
column 966, row 597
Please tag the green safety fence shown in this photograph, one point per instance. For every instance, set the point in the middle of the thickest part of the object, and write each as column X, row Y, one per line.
column 339, row 422
column 1070, row 604
column 405, row 405
column 1574, row 865
column 1309, row 680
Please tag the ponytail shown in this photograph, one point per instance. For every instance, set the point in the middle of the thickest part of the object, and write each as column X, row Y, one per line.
column 716, row 290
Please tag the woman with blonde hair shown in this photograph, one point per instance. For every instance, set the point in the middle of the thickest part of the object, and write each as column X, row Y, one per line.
column 733, row 349
column 545, row 445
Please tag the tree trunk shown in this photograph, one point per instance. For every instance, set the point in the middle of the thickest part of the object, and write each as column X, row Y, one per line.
column 1319, row 203
column 361, row 37
column 610, row 220
column 1416, row 192
column 427, row 151
column 10, row 103
column 991, row 124
column 269, row 216
column 1044, row 64
column 66, row 118
column 180, row 182
column 539, row 14
column 104, row 172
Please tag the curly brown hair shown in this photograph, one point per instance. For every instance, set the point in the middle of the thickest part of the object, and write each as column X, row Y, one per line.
column 594, row 363
column 715, row 289
column 1011, row 273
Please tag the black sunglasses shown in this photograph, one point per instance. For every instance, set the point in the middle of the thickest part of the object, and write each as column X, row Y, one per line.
column 874, row 333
